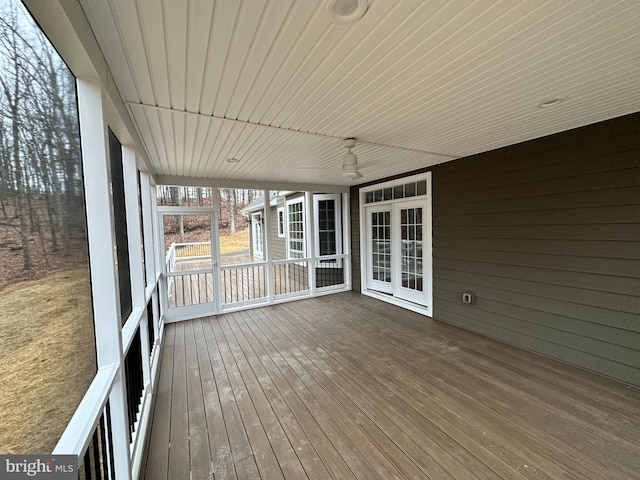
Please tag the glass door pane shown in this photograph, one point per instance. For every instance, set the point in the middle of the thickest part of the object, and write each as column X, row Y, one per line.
column 380, row 249
column 409, row 226
column 411, row 248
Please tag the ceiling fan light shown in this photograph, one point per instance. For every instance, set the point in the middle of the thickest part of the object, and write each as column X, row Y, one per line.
column 349, row 160
column 346, row 11
column 351, row 172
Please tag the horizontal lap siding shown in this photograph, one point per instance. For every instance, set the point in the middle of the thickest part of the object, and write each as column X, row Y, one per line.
column 546, row 234
column 278, row 245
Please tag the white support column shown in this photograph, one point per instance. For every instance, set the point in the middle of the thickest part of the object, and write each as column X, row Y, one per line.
column 147, row 225
column 134, row 229
column 310, row 236
column 134, row 234
column 95, row 154
column 267, row 243
column 158, row 236
column 147, row 194
column 155, row 304
column 215, row 251
column 346, row 237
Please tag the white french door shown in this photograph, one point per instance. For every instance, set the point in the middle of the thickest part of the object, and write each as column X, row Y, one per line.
column 258, row 241
column 396, row 260
column 380, row 255
column 408, row 266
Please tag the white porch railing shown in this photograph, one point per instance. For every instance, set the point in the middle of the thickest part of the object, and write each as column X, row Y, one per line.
column 243, row 283
column 89, row 434
column 189, row 275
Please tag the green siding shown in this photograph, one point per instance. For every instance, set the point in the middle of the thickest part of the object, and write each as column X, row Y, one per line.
column 278, row 246
column 546, row 234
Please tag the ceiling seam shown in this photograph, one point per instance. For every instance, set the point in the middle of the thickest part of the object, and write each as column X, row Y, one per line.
column 244, row 122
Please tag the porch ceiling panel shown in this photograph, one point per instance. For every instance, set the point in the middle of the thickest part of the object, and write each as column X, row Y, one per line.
column 268, row 153
column 277, row 84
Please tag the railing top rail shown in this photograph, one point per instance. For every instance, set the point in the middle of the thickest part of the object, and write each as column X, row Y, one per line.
column 76, row 437
column 242, row 265
column 185, row 273
column 188, row 244
column 308, row 259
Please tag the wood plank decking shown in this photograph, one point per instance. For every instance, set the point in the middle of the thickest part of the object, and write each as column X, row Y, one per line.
column 344, row 386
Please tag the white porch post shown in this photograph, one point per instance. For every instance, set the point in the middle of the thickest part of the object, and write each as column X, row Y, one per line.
column 346, row 238
column 267, row 246
column 136, row 261
column 95, row 154
column 134, row 233
column 148, row 226
column 309, row 239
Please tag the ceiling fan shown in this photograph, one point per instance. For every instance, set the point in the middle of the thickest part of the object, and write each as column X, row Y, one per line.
column 350, row 160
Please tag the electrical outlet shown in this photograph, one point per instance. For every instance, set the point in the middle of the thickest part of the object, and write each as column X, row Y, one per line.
column 467, row 298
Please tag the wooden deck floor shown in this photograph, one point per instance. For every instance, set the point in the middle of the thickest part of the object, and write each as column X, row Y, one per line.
column 344, row 386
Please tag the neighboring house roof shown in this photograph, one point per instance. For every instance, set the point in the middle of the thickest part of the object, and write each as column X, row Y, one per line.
column 258, row 203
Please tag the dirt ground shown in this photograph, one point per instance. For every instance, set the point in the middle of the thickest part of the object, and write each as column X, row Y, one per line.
column 47, row 355
column 47, row 348
column 11, row 263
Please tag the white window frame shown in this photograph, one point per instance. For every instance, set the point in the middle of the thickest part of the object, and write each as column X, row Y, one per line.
column 281, row 222
column 337, row 198
column 257, row 227
column 425, row 308
column 289, row 203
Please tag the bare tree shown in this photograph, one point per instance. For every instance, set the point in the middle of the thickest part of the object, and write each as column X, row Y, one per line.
column 16, row 84
column 41, row 189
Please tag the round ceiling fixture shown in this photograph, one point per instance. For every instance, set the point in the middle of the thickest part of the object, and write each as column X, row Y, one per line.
column 346, row 11
column 551, row 102
column 350, row 160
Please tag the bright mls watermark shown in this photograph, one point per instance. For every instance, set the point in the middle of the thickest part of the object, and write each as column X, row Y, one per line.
column 48, row 467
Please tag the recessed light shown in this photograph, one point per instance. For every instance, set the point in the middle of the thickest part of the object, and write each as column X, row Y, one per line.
column 346, row 11
column 551, row 102
column 232, row 160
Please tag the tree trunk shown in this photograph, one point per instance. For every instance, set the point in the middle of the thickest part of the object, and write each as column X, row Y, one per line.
column 233, row 208
column 20, row 185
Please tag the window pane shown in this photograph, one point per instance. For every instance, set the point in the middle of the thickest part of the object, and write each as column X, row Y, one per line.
column 47, row 343
column 326, row 228
column 280, row 223
column 296, row 230
column 422, row 187
column 183, row 196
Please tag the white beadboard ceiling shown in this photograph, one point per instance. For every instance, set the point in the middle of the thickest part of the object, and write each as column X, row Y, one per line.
column 276, row 84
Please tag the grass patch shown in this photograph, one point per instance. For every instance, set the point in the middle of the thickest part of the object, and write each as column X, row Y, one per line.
column 234, row 243
column 47, row 352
